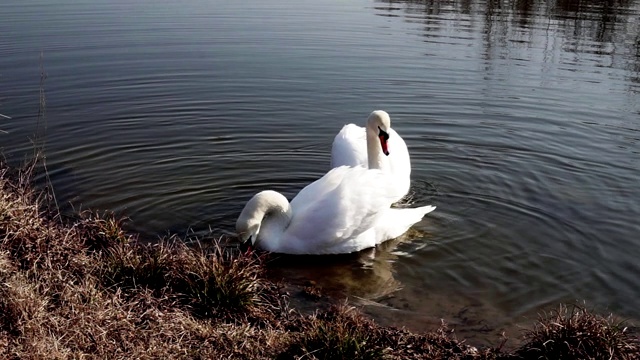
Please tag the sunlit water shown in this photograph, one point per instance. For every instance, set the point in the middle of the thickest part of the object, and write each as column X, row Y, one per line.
column 522, row 120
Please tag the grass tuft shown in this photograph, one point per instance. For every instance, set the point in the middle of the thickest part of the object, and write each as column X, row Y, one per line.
column 576, row 333
column 33, row 237
column 130, row 266
column 340, row 333
column 101, row 231
column 211, row 281
column 221, row 283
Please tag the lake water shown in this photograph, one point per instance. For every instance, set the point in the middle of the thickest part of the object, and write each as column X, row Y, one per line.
column 522, row 119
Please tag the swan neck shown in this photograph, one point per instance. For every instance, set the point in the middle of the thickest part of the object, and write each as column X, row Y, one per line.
column 374, row 150
column 275, row 216
column 279, row 215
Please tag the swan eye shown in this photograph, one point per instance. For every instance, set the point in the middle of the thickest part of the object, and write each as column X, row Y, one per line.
column 383, row 135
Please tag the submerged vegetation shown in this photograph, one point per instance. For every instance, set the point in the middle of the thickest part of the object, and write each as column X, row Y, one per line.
column 81, row 286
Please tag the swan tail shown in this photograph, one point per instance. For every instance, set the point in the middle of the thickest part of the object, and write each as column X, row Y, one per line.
column 399, row 220
column 413, row 215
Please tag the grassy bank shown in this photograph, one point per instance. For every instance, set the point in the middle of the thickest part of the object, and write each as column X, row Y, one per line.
column 81, row 287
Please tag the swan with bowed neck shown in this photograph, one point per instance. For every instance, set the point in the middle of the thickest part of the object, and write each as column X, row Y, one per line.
column 346, row 210
column 363, row 146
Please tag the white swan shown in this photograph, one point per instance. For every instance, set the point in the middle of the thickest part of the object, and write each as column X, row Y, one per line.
column 346, row 210
column 355, row 145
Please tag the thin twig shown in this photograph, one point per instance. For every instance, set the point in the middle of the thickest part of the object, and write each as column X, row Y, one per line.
column 40, row 138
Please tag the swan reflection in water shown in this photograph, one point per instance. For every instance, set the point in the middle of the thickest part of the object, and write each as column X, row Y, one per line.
column 365, row 276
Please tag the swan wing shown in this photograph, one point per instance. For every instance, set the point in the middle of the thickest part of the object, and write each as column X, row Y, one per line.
column 350, row 147
column 332, row 213
column 317, row 190
column 398, row 220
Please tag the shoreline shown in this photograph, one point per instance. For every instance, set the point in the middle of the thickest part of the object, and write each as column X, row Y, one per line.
column 71, row 287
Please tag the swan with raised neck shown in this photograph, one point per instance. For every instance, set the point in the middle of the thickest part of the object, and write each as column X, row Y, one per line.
column 364, row 146
column 378, row 126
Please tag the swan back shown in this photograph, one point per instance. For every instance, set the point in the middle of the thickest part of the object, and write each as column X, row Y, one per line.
column 350, row 147
column 335, row 213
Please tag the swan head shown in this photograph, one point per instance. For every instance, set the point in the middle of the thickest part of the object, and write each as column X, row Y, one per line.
column 247, row 232
column 378, row 125
column 248, row 223
column 268, row 206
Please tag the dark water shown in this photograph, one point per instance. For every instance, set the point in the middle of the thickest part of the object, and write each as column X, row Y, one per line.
column 522, row 119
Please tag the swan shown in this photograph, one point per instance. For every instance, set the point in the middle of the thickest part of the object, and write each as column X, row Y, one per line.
column 346, row 210
column 355, row 145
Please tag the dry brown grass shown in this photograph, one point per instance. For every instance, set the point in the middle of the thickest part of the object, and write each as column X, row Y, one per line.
column 83, row 288
column 573, row 332
column 343, row 332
